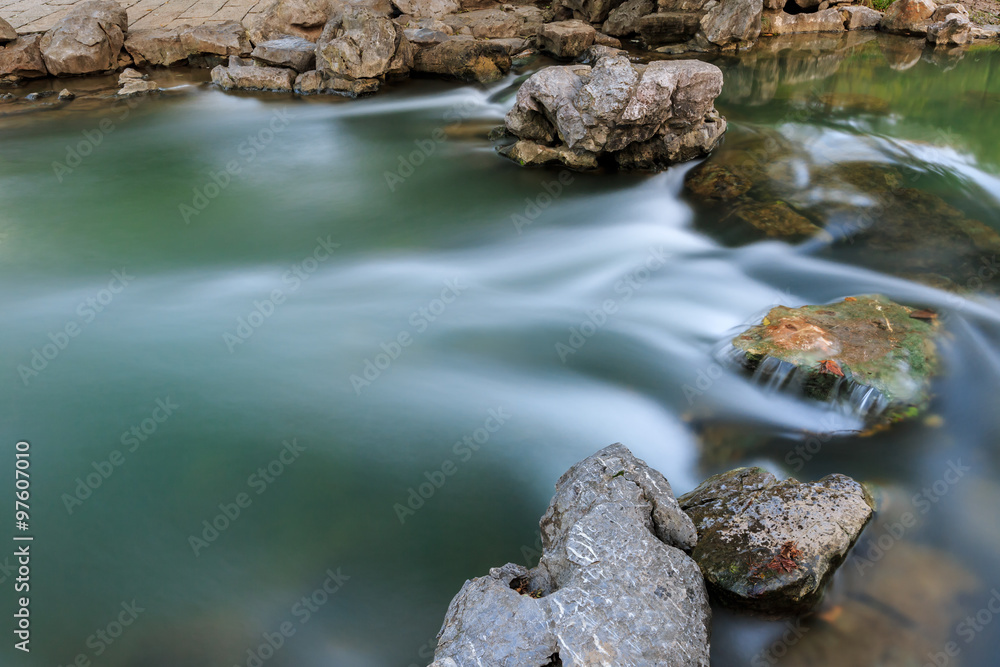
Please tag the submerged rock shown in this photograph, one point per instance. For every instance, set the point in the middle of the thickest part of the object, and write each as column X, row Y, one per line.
column 771, row 546
column 640, row 116
column 879, row 351
column 87, row 40
column 612, row 568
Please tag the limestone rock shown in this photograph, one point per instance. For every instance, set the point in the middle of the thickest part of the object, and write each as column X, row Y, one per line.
column 771, row 546
column 427, row 8
column 591, row 11
column 956, row 29
column 156, row 46
column 248, row 77
column 908, row 17
column 22, row 59
column 7, row 32
column 566, row 39
column 221, row 39
column 859, row 17
column 623, row 20
column 467, row 59
column 781, row 23
column 294, row 52
column 87, row 40
column 643, row 116
column 732, row 24
column 134, row 83
column 307, row 18
column 363, row 45
column 668, row 27
column 612, row 567
column 314, row 81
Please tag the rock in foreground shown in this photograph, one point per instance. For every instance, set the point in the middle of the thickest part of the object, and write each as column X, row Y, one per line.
column 613, row 586
column 880, row 352
column 637, row 116
column 771, row 546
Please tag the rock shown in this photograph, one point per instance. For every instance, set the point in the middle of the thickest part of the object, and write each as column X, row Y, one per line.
column 22, row 59
column 772, row 546
column 363, row 45
column 222, row 39
column 425, row 37
column 156, row 46
column 859, row 17
column 908, row 17
column 777, row 219
column 781, row 23
column 642, row 116
column 41, row 95
column 297, row 18
column 867, row 348
column 427, row 8
column 944, row 11
column 731, row 24
column 612, row 567
column 134, row 83
column 243, row 77
column 591, row 11
column 607, row 40
column 954, row 30
column 566, row 39
column 623, row 20
column 87, row 40
column 529, row 153
column 668, row 27
column 467, row 59
column 295, row 52
column 314, row 81
column 66, row 95
column 7, row 32
column 488, row 23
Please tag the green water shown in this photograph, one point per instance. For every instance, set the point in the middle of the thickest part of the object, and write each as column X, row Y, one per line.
column 338, row 261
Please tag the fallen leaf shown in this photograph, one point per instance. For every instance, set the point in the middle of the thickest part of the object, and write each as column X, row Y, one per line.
column 850, row 298
column 923, row 315
column 830, row 366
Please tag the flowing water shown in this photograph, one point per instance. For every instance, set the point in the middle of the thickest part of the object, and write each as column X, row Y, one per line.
column 437, row 334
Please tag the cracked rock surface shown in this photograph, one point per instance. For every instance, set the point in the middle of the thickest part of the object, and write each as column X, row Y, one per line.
column 613, row 586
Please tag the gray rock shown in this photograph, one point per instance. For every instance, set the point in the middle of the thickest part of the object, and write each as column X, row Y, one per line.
column 909, row 17
column 623, row 20
column 222, row 39
column 66, row 95
column 22, row 59
column 253, row 78
column 859, row 17
column 644, row 116
column 363, row 45
column 771, row 546
column 613, row 586
column 566, row 39
column 956, row 29
column 782, row 23
column 135, row 83
column 7, row 32
column 467, row 59
column 427, row 8
column 732, row 24
column 307, row 18
column 156, row 46
column 294, row 52
column 316, row 82
column 944, row 11
column 87, row 40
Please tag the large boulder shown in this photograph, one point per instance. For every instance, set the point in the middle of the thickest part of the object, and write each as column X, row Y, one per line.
column 156, row 46
column 7, row 32
column 623, row 20
column 22, row 59
column 307, row 18
column 909, row 17
column 782, row 23
column 731, row 24
column 221, row 39
column 566, row 39
column 467, row 59
column 240, row 76
column 363, row 45
column 955, row 30
column 87, row 40
column 613, row 587
column 859, row 17
column 772, row 546
column 640, row 116
column 295, row 52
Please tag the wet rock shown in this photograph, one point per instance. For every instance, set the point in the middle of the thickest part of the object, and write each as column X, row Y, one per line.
column 244, row 77
column 427, row 8
column 956, row 29
column 867, row 346
column 623, row 20
column 908, row 17
column 22, row 59
column 295, row 52
column 66, row 95
column 221, row 39
column 566, row 39
column 777, row 219
column 780, row 23
column 40, row 95
column 601, row 39
column 363, row 45
column 87, row 40
column 529, row 153
column 859, row 17
column 316, row 82
column 156, row 46
column 466, row 59
column 7, row 32
column 612, row 567
column 772, row 546
column 668, row 27
column 134, row 83
column 641, row 116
